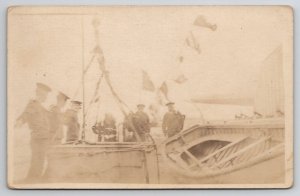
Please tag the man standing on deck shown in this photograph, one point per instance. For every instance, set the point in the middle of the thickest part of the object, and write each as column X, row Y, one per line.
column 173, row 121
column 36, row 116
column 141, row 122
column 71, row 121
column 56, row 118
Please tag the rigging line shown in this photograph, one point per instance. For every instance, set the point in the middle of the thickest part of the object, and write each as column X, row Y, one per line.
column 113, row 91
column 95, row 93
column 96, row 24
column 121, row 103
column 89, row 64
column 98, row 106
column 97, row 113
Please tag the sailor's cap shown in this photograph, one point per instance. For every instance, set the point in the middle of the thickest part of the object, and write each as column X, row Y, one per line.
column 44, row 87
column 62, row 95
column 140, row 105
column 170, row 103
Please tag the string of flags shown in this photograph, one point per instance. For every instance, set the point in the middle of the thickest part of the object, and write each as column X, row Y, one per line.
column 191, row 42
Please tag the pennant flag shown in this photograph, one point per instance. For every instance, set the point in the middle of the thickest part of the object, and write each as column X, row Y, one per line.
column 164, row 89
column 97, row 99
column 159, row 98
column 192, row 42
column 147, row 83
column 180, row 58
column 200, row 21
column 181, row 79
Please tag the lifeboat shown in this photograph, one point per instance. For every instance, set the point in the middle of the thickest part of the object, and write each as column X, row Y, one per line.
column 211, row 150
column 103, row 162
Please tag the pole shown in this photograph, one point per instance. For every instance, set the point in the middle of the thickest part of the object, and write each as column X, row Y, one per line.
column 141, row 87
column 83, row 82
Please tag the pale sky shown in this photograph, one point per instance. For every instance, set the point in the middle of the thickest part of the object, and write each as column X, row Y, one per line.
column 49, row 48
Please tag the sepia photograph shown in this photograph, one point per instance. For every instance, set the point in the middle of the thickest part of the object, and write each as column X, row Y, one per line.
column 149, row 97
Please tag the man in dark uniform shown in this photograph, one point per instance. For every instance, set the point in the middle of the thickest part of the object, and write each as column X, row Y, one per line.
column 107, row 130
column 173, row 121
column 141, row 122
column 36, row 116
column 56, row 118
column 110, row 128
column 71, row 121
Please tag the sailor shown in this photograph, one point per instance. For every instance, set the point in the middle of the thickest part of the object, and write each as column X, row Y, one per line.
column 71, row 121
column 173, row 121
column 141, row 122
column 128, row 128
column 110, row 128
column 56, row 118
column 107, row 130
column 109, row 121
column 98, row 130
column 36, row 116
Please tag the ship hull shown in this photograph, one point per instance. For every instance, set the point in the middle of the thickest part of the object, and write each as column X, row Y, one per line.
column 103, row 163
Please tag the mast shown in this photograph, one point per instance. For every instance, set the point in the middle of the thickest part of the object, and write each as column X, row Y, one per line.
column 83, row 82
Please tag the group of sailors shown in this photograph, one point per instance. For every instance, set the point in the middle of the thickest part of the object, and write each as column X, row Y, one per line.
column 47, row 125
column 139, row 125
column 173, row 122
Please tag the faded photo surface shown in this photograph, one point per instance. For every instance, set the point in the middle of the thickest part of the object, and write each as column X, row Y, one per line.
column 150, row 97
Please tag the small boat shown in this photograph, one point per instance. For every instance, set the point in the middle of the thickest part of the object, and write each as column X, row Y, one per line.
column 103, row 162
column 211, row 150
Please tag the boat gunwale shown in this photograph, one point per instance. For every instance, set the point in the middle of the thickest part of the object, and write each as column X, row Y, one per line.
column 105, row 144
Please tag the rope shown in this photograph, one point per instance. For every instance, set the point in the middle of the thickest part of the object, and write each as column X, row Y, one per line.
column 89, row 64
column 120, row 101
column 98, row 53
column 95, row 93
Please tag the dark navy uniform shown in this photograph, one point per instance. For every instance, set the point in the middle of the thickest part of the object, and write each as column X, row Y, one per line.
column 107, row 130
column 173, row 121
column 141, row 122
column 56, row 120
column 73, row 126
column 36, row 116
